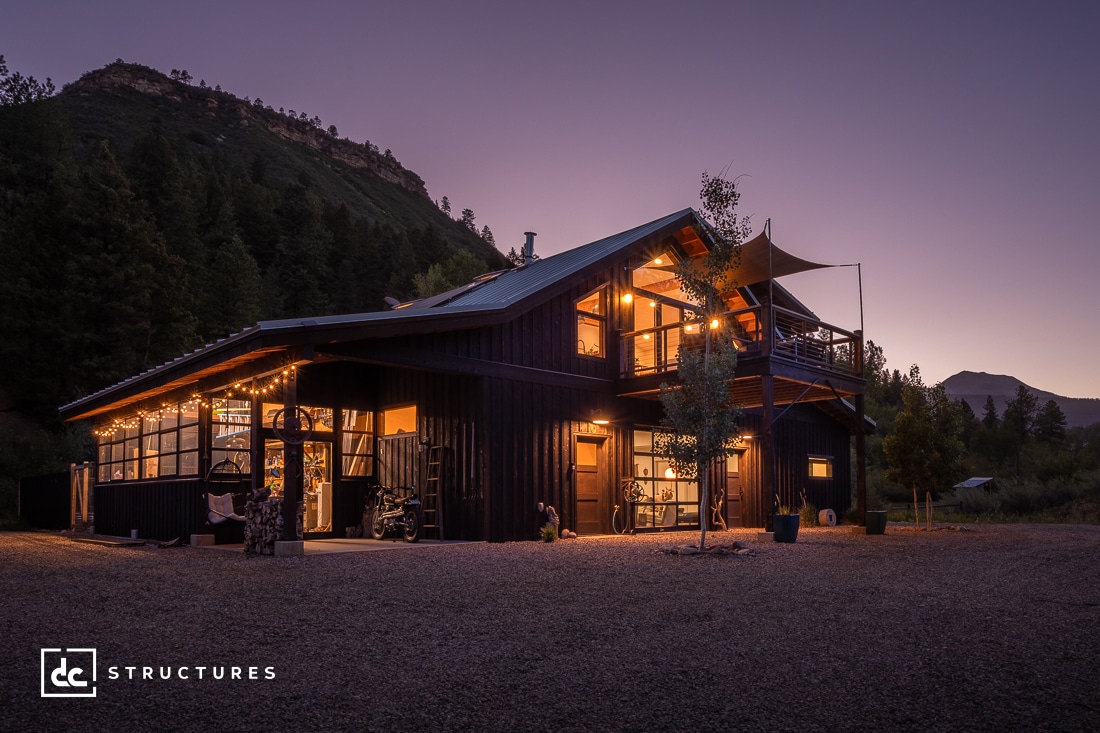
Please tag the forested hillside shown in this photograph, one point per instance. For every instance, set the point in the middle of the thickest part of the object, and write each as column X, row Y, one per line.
column 142, row 216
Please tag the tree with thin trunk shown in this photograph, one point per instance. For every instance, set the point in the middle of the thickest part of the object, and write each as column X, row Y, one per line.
column 924, row 450
column 700, row 422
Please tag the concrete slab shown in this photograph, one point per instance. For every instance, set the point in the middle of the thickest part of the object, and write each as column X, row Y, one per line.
column 338, row 545
column 289, row 548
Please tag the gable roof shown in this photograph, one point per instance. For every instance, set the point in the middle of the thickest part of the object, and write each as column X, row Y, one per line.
column 487, row 300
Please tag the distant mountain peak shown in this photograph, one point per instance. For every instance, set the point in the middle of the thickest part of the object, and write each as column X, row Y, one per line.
column 975, row 387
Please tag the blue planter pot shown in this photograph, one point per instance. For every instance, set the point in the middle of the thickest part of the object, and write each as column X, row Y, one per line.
column 786, row 527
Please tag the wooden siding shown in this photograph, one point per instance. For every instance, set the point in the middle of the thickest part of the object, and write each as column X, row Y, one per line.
column 530, row 453
column 802, row 432
column 158, row 510
column 449, row 416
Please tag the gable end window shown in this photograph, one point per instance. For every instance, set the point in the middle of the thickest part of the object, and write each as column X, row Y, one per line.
column 592, row 323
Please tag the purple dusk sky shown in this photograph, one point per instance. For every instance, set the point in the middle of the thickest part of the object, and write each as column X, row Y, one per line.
column 950, row 147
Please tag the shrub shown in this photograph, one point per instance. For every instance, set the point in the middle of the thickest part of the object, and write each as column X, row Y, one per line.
column 977, row 502
column 807, row 515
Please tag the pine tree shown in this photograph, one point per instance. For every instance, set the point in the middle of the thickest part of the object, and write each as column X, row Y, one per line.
column 989, row 415
column 468, row 220
column 1050, row 424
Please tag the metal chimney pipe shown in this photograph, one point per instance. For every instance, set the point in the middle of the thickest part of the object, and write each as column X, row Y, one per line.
column 529, row 248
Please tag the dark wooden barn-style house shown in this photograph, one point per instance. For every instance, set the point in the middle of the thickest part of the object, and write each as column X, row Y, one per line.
column 533, row 385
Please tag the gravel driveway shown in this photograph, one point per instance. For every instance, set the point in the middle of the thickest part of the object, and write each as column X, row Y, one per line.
column 991, row 628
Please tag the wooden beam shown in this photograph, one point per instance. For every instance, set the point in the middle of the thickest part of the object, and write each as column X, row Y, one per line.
column 449, row 364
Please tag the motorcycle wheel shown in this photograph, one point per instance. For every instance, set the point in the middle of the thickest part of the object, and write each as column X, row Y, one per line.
column 377, row 525
column 412, row 526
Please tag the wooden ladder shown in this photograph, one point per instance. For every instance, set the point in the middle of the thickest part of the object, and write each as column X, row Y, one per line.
column 432, row 508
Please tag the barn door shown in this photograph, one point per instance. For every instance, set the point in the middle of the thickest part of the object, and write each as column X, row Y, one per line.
column 592, row 487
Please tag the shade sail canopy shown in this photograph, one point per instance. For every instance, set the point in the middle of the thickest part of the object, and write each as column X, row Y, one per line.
column 762, row 260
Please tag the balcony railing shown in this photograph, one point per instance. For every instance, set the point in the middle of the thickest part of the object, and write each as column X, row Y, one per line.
column 757, row 331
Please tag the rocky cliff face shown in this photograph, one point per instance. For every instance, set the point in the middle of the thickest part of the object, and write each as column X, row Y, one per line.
column 245, row 114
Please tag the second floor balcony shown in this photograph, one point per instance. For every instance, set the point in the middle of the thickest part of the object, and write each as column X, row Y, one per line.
column 760, row 332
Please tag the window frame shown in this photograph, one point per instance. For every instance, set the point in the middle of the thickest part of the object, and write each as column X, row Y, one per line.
column 813, row 460
column 601, row 322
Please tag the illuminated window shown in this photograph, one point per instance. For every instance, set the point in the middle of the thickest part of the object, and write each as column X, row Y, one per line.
column 358, row 442
column 821, row 467
column 668, row 500
column 399, row 420
column 164, row 443
column 592, row 323
column 231, row 433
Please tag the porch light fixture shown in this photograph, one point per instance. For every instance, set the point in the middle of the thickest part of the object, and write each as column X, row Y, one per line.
column 423, row 445
column 687, row 328
column 598, row 418
column 628, row 298
column 714, row 323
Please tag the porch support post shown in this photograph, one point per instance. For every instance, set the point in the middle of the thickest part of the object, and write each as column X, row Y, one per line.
column 861, row 462
column 292, row 461
column 767, row 452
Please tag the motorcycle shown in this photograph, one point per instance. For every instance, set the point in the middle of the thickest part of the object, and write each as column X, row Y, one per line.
column 392, row 513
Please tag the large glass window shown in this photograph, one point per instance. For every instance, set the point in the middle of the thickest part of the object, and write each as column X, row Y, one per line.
column 316, row 480
column 165, row 443
column 322, row 416
column 592, row 323
column 669, row 501
column 357, row 448
column 231, row 433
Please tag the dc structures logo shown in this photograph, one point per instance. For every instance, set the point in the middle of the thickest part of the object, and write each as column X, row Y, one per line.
column 68, row 673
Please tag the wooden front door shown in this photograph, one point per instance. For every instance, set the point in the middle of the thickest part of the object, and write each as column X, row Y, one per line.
column 593, row 509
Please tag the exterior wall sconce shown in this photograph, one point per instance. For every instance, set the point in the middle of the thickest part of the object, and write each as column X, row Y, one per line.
column 423, row 445
column 628, row 298
column 598, row 418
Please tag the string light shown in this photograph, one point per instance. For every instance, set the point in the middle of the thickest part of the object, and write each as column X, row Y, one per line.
column 195, row 404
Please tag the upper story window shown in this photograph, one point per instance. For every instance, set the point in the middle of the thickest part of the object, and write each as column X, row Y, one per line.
column 592, row 323
column 658, row 277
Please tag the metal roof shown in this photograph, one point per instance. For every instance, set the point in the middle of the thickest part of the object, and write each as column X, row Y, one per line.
column 513, row 286
column 485, row 296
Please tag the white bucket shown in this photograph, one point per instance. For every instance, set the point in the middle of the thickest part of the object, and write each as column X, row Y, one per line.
column 826, row 518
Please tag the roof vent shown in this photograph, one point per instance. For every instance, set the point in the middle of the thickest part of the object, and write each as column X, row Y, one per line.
column 529, row 248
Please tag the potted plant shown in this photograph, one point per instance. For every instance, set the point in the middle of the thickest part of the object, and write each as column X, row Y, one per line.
column 876, row 521
column 786, row 524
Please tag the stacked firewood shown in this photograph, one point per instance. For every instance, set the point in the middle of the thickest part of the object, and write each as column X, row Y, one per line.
column 264, row 522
